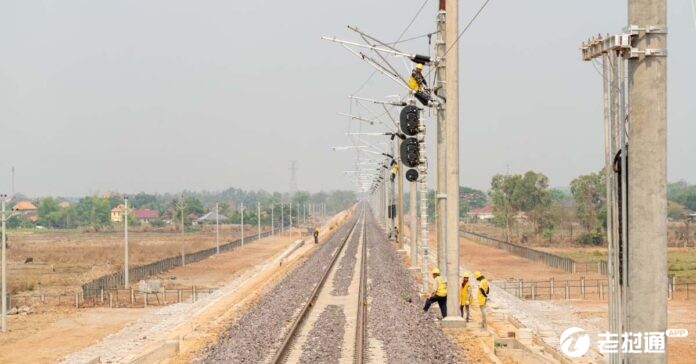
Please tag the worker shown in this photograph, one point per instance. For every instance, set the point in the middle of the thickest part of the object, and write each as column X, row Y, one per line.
column 465, row 295
column 439, row 294
column 419, row 86
column 394, row 170
column 417, row 82
column 483, row 290
column 316, row 235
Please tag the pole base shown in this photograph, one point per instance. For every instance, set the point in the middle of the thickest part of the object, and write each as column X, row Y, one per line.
column 455, row 322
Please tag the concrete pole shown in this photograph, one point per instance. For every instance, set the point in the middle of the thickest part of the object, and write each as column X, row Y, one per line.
column 452, row 163
column 400, row 199
column 414, row 224
column 4, row 267
column 217, row 228
column 258, row 220
column 282, row 218
column 183, row 253
column 647, row 178
column 441, row 190
column 385, row 187
column 126, row 278
column 298, row 214
column 241, row 209
column 272, row 222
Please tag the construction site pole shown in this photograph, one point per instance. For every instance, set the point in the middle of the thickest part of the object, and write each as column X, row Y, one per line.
column 241, row 209
column 217, row 228
column 414, row 223
column 282, row 219
column 125, row 257
column 452, row 162
column 258, row 220
column 272, row 220
column 441, row 190
column 401, row 242
column 4, row 267
column 647, row 178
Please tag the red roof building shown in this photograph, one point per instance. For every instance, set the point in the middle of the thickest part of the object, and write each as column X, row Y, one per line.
column 146, row 215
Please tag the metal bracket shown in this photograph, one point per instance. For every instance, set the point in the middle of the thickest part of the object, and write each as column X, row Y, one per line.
column 652, row 29
column 441, row 196
column 656, row 52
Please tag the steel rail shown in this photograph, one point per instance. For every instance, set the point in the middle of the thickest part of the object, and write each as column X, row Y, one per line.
column 285, row 348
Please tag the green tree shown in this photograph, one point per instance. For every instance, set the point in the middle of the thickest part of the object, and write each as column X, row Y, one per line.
column 49, row 212
column 589, row 192
column 503, row 192
column 93, row 211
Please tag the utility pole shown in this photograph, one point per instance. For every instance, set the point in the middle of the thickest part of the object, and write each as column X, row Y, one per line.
column 4, row 266
column 258, row 220
column 282, row 219
column 181, row 205
column 647, row 176
column 401, row 242
column 635, row 65
column 241, row 209
column 126, row 279
column 217, row 228
column 441, row 190
column 452, row 162
column 414, row 224
column 423, row 187
column 272, row 222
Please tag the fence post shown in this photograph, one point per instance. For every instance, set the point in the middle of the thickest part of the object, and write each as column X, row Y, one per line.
column 601, row 290
column 193, row 294
column 521, row 288
column 145, row 299
column 567, row 291
column 551, row 294
column 533, row 291
column 582, row 286
column 179, row 292
column 101, row 295
column 132, row 296
column 111, row 300
column 77, row 300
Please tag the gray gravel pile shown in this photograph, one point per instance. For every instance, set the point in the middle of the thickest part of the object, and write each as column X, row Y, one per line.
column 325, row 340
column 346, row 268
column 260, row 331
column 408, row 335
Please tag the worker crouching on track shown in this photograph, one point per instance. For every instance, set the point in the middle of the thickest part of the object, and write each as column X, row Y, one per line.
column 439, row 295
column 316, row 236
column 465, row 295
column 483, row 290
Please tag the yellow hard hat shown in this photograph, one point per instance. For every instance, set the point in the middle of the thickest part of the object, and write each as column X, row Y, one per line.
column 466, row 274
column 419, row 66
column 477, row 275
column 435, row 271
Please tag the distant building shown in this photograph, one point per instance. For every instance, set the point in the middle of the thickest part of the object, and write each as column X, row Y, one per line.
column 64, row 204
column 146, row 215
column 27, row 209
column 484, row 213
column 117, row 213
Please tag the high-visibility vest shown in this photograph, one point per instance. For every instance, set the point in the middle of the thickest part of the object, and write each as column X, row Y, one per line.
column 440, row 287
column 483, row 285
column 465, row 294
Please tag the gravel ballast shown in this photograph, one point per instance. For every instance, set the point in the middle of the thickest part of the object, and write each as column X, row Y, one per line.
column 259, row 332
column 408, row 335
column 346, row 268
column 325, row 340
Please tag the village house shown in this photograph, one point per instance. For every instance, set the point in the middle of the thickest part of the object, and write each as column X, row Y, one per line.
column 484, row 213
column 146, row 215
column 117, row 213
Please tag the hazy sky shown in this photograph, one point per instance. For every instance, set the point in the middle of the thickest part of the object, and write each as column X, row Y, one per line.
column 165, row 95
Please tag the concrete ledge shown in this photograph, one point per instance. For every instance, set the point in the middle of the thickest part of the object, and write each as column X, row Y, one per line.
column 453, row 322
column 165, row 350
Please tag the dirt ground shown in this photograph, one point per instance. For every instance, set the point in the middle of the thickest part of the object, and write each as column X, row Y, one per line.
column 63, row 260
column 498, row 264
column 52, row 332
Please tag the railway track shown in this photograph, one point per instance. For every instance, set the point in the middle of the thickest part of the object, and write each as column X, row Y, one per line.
column 291, row 343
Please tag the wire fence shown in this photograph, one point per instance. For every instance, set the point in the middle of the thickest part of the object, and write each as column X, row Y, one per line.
column 586, row 289
column 556, row 261
column 115, row 280
column 113, row 298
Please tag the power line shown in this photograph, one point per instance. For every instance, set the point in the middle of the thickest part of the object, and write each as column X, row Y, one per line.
column 467, row 26
column 395, row 42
